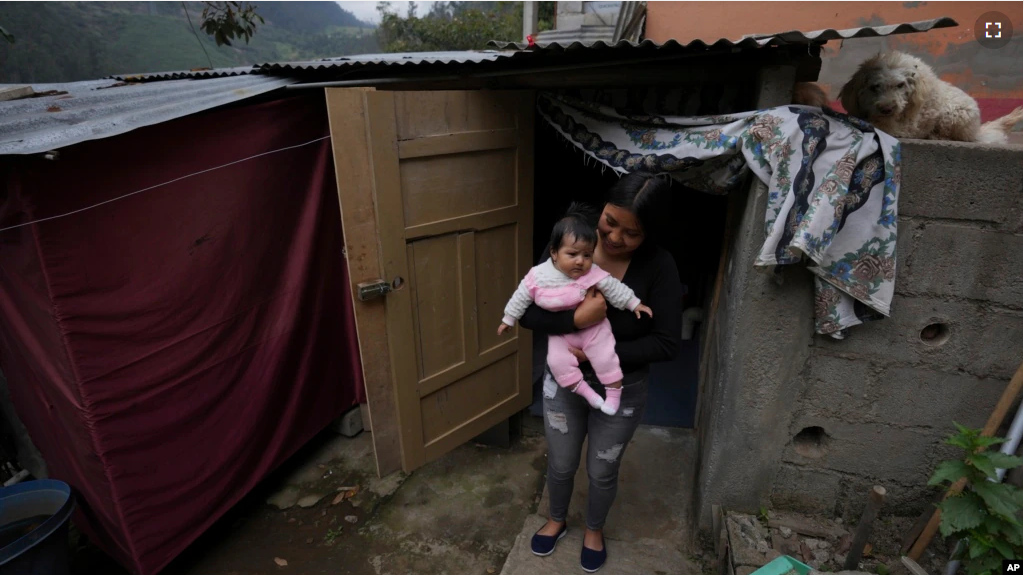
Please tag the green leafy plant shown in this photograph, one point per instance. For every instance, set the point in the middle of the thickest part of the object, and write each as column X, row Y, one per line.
column 226, row 21
column 762, row 514
column 331, row 535
column 986, row 515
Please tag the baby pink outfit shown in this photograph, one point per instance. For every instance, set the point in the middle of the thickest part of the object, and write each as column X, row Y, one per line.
column 552, row 290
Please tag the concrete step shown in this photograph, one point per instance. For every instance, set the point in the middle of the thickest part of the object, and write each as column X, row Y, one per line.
column 650, row 556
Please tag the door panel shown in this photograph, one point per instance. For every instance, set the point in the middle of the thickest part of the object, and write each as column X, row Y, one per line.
column 451, row 179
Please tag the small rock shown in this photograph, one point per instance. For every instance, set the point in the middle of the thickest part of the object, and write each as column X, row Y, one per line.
column 292, row 520
column 762, row 546
column 285, row 498
column 280, row 562
column 839, row 558
column 310, row 500
column 745, row 570
column 785, row 532
column 338, row 498
column 491, row 570
column 309, row 541
column 323, row 513
column 821, row 556
column 845, row 542
column 351, row 519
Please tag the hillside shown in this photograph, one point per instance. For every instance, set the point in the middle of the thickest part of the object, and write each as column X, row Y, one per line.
column 68, row 41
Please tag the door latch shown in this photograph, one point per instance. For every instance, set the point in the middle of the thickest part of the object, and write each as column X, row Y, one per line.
column 372, row 290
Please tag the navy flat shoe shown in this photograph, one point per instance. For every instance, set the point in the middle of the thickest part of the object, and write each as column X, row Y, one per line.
column 544, row 545
column 592, row 560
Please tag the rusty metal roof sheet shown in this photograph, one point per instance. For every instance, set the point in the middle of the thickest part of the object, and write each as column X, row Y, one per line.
column 751, row 41
column 397, row 59
column 91, row 110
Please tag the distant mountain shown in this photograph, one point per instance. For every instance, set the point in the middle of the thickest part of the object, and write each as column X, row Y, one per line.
column 68, row 41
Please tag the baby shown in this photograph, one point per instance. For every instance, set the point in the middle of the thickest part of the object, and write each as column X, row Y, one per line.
column 561, row 283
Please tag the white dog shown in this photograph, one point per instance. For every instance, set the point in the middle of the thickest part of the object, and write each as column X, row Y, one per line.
column 901, row 95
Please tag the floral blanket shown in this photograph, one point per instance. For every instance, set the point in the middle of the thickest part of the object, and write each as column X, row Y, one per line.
column 832, row 184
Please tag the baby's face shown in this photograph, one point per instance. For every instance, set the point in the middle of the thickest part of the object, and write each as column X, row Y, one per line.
column 574, row 257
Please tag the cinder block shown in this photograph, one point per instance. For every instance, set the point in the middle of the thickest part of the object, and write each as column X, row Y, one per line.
column 870, row 449
column 961, row 181
column 928, row 398
column 838, row 386
column 964, row 261
column 350, row 424
column 981, row 341
column 805, row 490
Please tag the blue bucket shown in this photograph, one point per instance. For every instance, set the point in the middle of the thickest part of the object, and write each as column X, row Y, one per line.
column 34, row 520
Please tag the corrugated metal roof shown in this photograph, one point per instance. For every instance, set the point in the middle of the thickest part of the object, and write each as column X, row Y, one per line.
column 182, row 74
column 100, row 109
column 747, row 42
column 396, row 59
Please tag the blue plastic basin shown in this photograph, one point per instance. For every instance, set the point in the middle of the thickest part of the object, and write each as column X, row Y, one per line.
column 34, row 520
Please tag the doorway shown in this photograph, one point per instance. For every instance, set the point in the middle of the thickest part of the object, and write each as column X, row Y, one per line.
column 563, row 174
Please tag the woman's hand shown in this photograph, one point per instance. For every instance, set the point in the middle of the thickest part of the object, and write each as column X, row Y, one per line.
column 591, row 311
column 580, row 356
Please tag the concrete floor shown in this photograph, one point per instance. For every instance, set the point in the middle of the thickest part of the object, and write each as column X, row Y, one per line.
column 648, row 530
column 463, row 514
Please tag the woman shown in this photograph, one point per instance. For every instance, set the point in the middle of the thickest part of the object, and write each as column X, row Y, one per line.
column 624, row 249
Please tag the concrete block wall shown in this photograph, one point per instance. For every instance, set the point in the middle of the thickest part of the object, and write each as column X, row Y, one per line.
column 885, row 398
column 809, row 423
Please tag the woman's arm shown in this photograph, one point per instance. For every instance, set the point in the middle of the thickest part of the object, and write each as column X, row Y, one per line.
column 665, row 299
column 591, row 311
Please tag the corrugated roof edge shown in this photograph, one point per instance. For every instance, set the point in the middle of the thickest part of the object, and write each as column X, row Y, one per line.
column 398, row 59
column 183, row 74
column 747, row 42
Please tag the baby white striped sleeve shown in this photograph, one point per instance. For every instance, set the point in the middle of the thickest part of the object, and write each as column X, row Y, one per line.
column 517, row 304
column 618, row 294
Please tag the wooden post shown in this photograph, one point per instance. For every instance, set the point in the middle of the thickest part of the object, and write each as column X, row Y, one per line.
column 860, row 537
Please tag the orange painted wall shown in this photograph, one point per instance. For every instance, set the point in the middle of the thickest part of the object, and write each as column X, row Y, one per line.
column 992, row 76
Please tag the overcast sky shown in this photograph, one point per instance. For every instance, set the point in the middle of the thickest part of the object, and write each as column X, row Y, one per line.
column 367, row 11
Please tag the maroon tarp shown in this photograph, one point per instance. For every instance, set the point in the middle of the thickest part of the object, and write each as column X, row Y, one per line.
column 169, row 349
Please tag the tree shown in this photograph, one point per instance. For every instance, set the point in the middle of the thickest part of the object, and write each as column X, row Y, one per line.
column 455, row 26
column 226, row 21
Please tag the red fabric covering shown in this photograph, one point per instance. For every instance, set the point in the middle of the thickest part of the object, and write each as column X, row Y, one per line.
column 167, row 350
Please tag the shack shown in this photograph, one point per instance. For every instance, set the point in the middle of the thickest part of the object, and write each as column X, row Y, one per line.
column 183, row 308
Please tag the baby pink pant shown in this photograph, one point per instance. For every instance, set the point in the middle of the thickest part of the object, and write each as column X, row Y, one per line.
column 597, row 342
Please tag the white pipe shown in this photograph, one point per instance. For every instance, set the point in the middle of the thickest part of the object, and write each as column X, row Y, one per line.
column 1009, row 447
column 17, row 478
column 690, row 317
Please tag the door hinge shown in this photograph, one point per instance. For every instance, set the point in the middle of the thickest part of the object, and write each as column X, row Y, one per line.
column 372, row 290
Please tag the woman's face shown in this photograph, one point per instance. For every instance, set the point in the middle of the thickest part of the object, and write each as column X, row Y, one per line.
column 619, row 231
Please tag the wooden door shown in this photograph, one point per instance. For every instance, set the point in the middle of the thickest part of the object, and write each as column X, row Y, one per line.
column 436, row 193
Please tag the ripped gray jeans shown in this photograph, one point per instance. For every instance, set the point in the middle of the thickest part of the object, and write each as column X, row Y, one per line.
column 569, row 420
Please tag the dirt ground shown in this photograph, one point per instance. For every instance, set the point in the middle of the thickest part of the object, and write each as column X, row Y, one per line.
column 459, row 514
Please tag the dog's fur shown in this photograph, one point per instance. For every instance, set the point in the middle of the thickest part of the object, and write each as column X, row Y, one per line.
column 901, row 95
column 810, row 94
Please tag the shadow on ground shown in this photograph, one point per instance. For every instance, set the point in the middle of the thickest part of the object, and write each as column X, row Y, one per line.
column 459, row 514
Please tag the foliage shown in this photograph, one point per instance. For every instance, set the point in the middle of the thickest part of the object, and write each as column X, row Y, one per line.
column 71, row 41
column 986, row 515
column 456, row 25
column 226, row 21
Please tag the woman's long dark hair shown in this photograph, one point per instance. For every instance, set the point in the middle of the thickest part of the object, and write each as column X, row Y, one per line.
column 645, row 195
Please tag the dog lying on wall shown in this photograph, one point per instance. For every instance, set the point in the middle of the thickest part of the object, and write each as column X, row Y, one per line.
column 901, row 95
